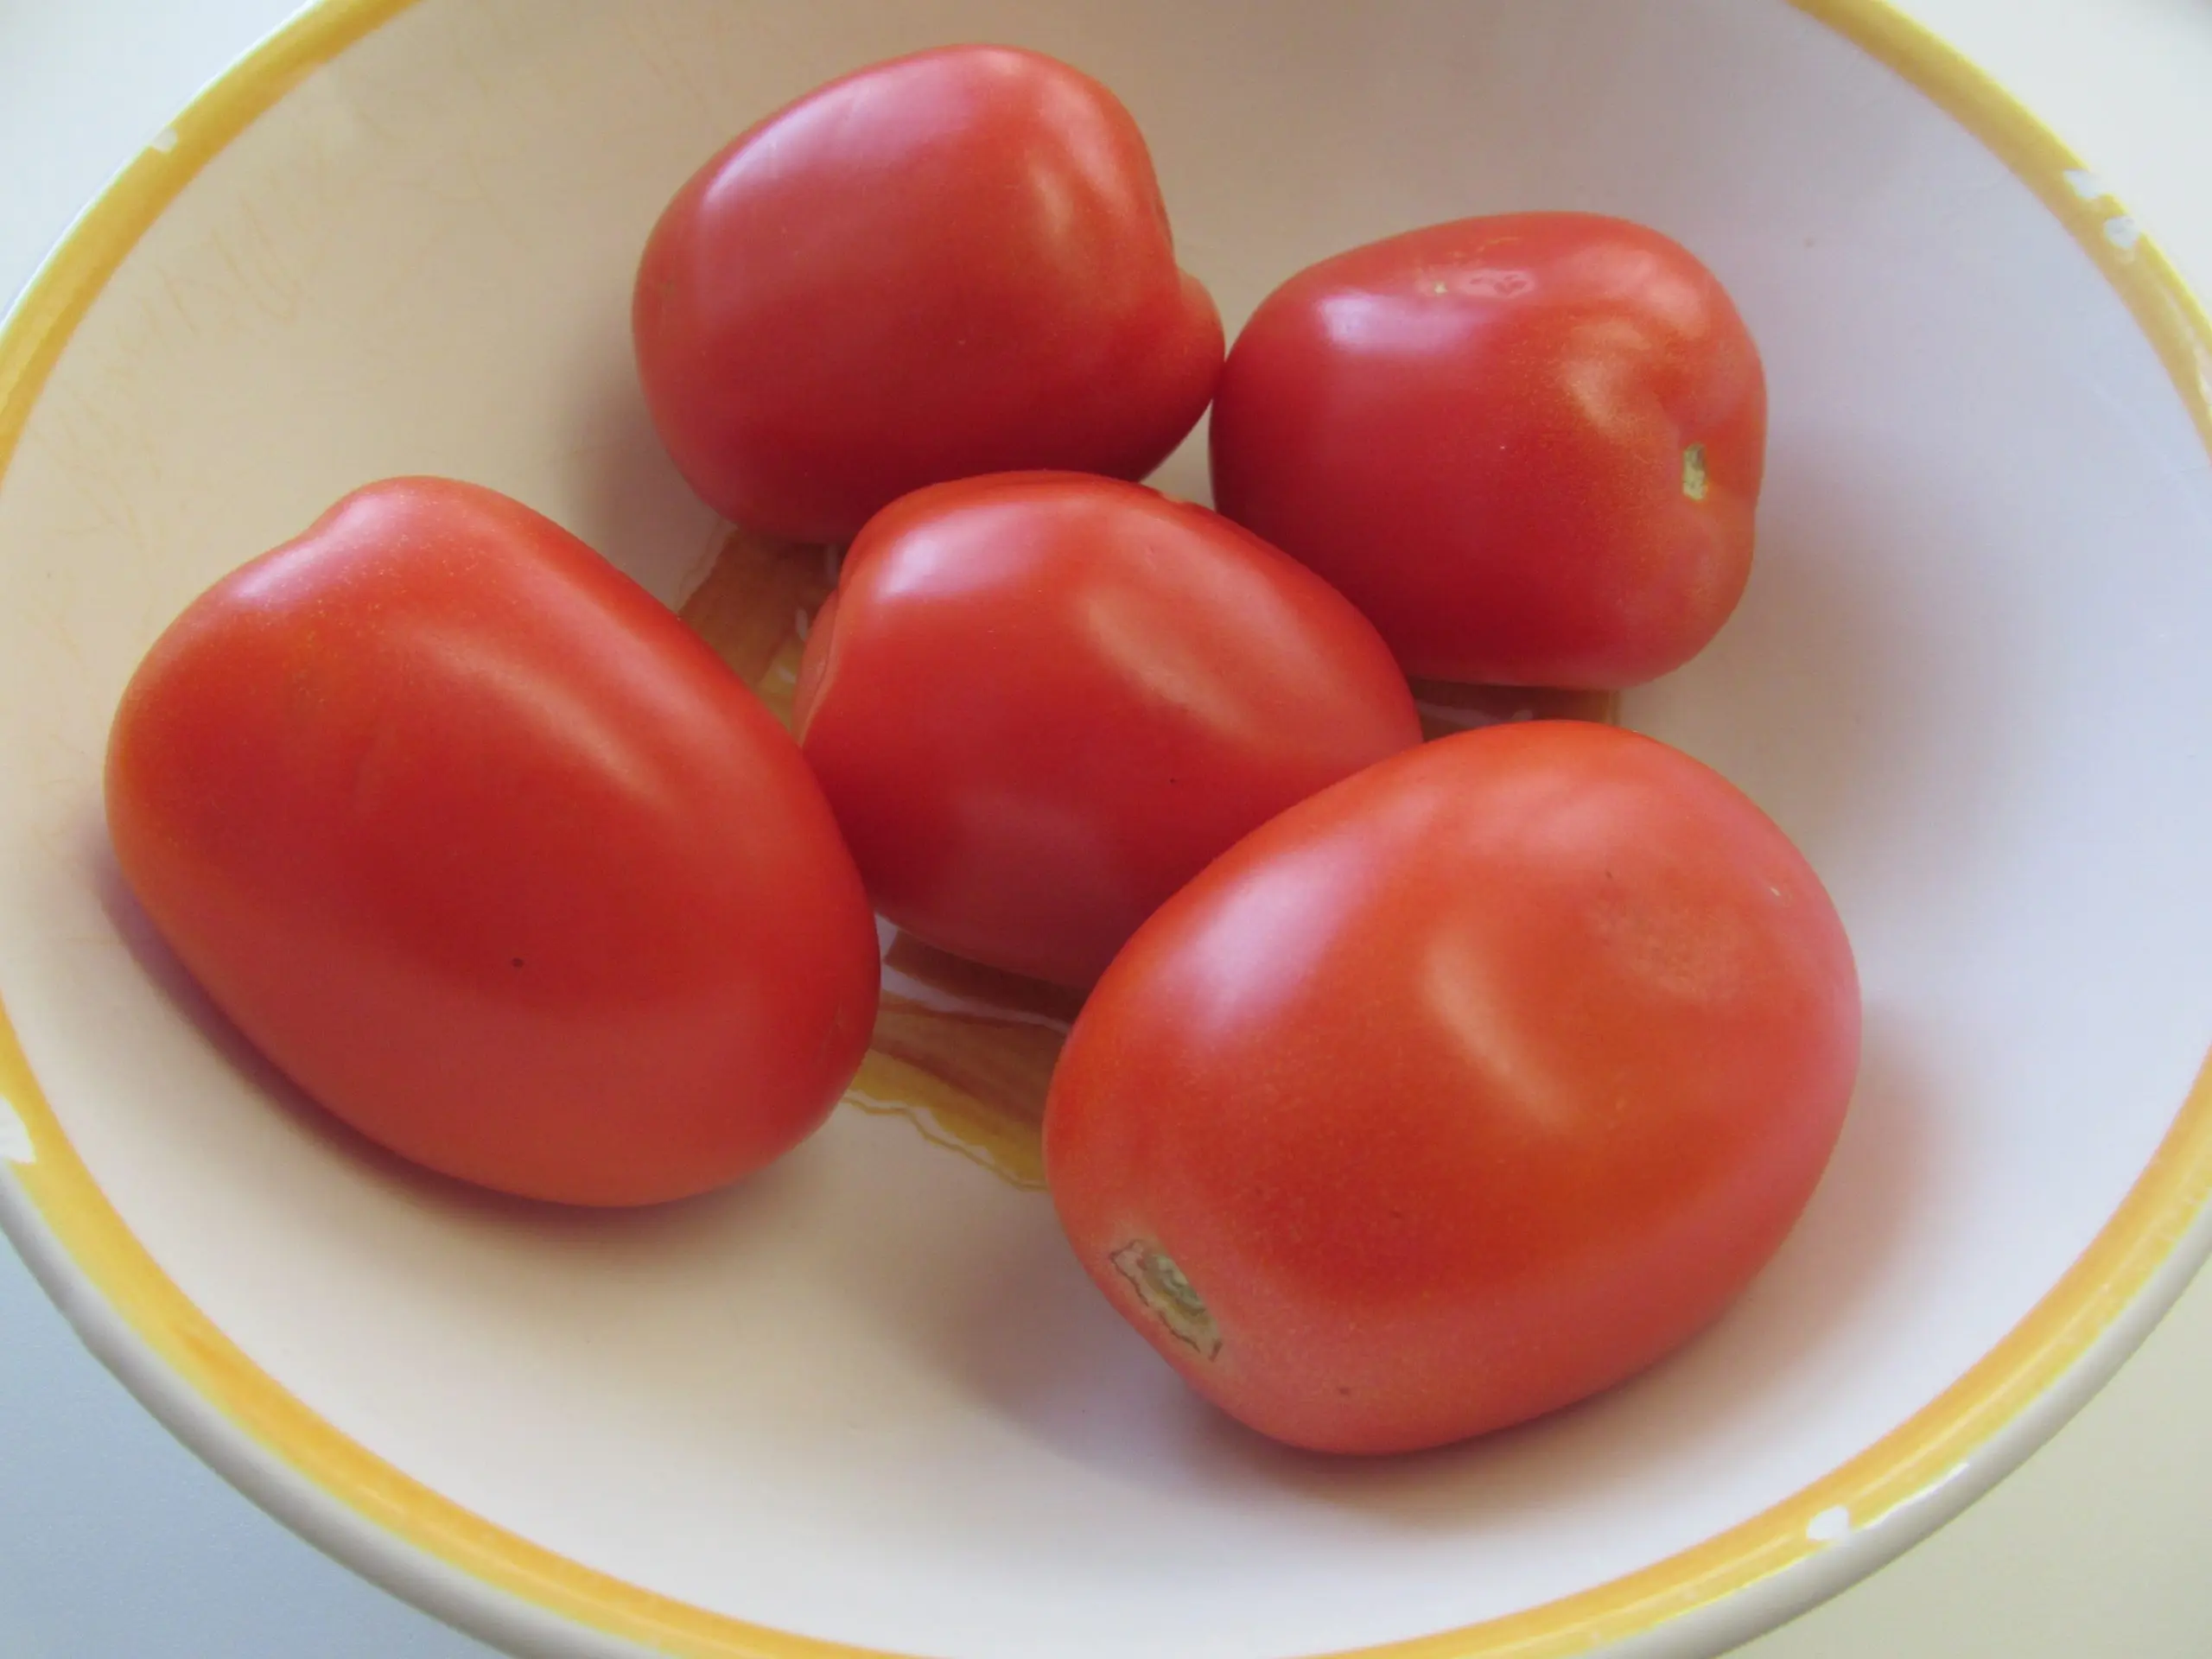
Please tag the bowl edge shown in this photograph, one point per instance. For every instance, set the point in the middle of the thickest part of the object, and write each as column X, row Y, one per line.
column 495, row 1584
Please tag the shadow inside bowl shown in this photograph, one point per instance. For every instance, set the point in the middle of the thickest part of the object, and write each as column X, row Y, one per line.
column 621, row 492
column 1867, row 691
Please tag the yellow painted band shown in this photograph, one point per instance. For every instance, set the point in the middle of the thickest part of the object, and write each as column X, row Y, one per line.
column 2160, row 301
column 2142, row 1234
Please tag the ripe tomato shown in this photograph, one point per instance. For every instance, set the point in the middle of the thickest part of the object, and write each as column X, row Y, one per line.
column 1459, row 1091
column 482, row 847
column 1529, row 448
column 1040, row 703
column 952, row 263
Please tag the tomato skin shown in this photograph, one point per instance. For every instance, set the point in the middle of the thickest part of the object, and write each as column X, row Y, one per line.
column 1040, row 703
column 472, row 838
column 1479, row 431
column 952, row 263
column 1463, row 1089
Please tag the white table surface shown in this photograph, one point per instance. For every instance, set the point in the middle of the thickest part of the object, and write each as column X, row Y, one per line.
column 116, row 1543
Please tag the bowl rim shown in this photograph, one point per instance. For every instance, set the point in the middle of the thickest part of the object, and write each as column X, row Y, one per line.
column 489, row 1580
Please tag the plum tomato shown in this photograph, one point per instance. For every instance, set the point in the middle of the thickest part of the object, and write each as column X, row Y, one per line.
column 1529, row 446
column 952, row 263
column 477, row 843
column 1459, row 1091
column 1040, row 703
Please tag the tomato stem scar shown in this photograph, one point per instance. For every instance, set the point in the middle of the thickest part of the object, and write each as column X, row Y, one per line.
column 1163, row 1288
column 1693, row 472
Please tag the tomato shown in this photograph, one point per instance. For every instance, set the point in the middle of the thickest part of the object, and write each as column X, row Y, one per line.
column 1459, row 1091
column 493, row 858
column 1529, row 448
column 1040, row 703
column 951, row 264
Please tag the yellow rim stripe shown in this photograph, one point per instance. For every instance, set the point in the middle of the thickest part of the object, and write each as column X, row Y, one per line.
column 2141, row 1235
column 2154, row 292
column 58, row 298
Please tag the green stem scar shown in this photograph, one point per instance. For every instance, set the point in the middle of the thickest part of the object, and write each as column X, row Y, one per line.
column 1160, row 1284
column 1693, row 472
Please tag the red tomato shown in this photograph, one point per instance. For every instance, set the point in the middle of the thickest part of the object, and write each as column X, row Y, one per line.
column 952, row 263
column 478, row 844
column 1040, row 703
column 1529, row 448
column 1459, row 1091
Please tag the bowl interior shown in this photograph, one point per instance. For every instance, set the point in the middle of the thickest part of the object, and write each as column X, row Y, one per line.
column 867, row 1396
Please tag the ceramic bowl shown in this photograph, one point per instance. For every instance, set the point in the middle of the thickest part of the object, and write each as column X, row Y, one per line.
column 865, row 1401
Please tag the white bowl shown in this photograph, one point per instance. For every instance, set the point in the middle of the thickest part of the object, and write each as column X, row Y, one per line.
column 867, row 1399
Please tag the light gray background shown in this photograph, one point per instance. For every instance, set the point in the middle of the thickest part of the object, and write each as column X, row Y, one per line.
column 116, row 1543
